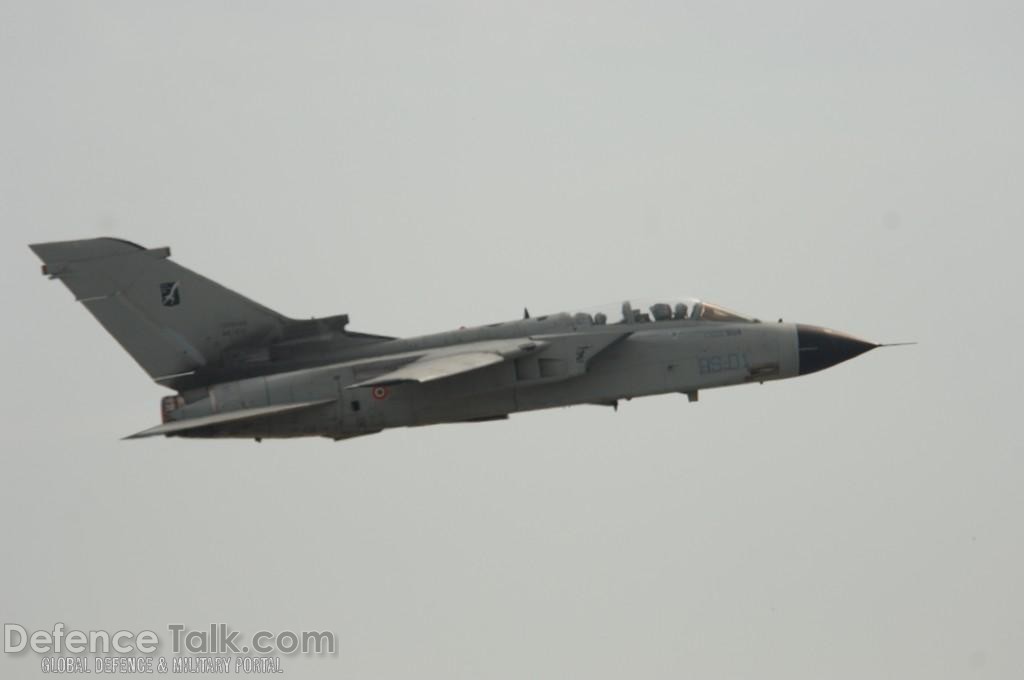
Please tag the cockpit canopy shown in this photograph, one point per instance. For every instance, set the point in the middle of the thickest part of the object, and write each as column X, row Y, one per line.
column 647, row 311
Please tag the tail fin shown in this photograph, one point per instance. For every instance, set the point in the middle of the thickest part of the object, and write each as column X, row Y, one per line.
column 172, row 321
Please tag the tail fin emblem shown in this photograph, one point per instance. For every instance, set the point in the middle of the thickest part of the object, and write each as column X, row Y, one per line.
column 169, row 295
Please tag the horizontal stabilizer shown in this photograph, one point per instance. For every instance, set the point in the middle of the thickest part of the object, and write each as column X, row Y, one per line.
column 176, row 426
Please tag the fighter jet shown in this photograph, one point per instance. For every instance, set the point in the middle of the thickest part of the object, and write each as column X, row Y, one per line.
column 241, row 370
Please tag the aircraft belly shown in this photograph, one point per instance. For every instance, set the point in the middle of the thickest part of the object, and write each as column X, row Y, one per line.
column 480, row 394
column 636, row 381
column 643, row 364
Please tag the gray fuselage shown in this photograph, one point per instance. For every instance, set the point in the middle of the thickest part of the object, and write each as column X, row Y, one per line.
column 582, row 363
column 240, row 369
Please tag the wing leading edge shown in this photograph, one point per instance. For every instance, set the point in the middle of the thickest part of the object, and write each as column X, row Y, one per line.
column 447, row 363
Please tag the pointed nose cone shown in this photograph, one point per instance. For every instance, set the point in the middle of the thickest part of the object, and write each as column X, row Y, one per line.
column 821, row 348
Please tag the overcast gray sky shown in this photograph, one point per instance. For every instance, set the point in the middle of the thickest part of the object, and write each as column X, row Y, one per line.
column 423, row 166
